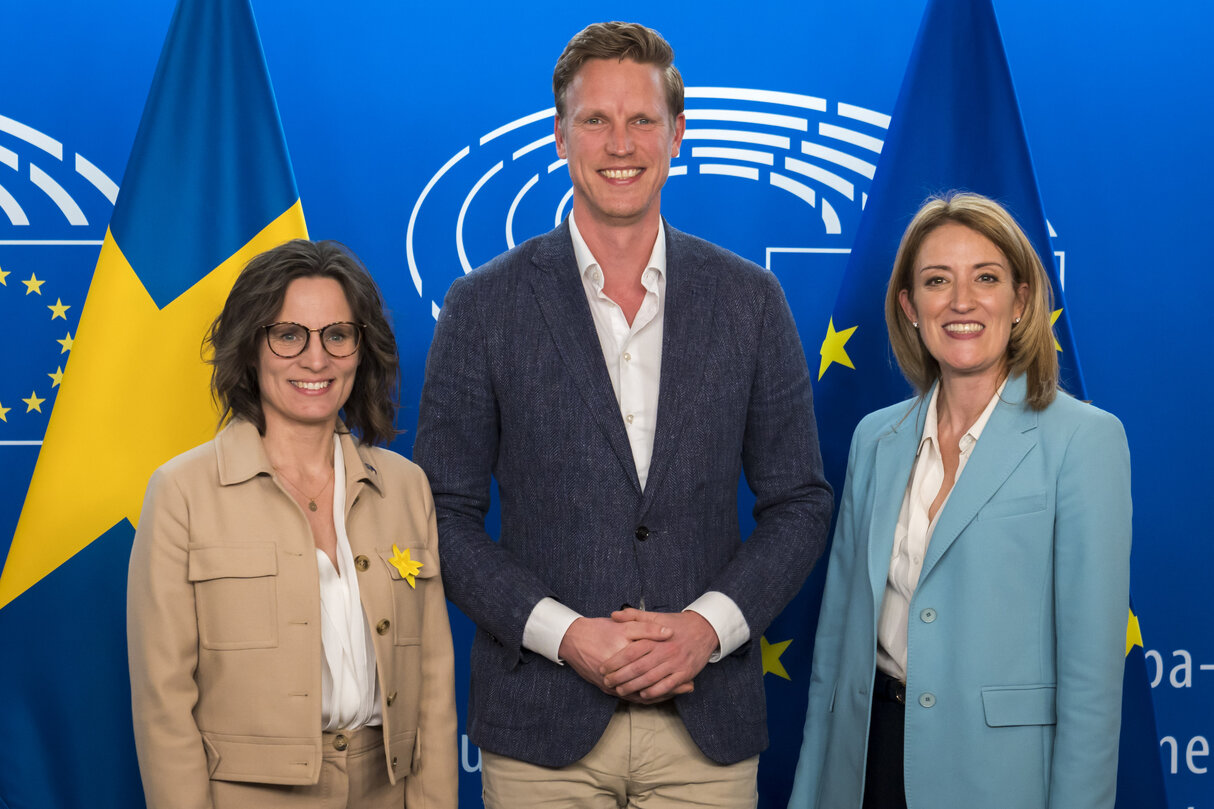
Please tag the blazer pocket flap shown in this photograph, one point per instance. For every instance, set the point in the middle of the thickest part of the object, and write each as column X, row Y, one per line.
column 232, row 561
column 1014, row 506
column 424, row 556
column 1007, row 706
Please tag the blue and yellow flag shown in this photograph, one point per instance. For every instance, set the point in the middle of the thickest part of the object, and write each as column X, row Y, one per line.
column 208, row 185
column 956, row 125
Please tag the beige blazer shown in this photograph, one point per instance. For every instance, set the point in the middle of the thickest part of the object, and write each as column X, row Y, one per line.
column 223, row 625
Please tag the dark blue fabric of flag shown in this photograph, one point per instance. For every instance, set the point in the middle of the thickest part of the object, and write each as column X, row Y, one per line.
column 956, row 126
column 208, row 150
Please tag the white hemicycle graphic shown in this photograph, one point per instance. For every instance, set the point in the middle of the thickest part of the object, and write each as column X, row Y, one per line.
column 818, row 154
column 36, row 173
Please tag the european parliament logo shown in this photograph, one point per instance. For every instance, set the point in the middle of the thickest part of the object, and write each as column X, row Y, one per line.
column 774, row 176
column 54, row 208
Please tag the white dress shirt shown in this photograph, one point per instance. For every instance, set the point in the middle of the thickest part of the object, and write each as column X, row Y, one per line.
column 914, row 531
column 633, row 354
column 348, row 685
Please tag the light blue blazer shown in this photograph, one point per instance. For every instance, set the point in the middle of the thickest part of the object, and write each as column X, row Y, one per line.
column 1017, row 629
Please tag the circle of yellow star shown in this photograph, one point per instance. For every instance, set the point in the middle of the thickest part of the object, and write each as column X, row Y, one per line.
column 4, row 412
column 59, row 309
column 832, row 347
column 3, row 275
column 57, row 377
column 1054, row 319
column 33, row 403
column 66, row 342
column 33, row 285
column 771, row 657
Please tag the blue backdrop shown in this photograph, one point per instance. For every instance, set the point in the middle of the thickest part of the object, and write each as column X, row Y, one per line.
column 379, row 102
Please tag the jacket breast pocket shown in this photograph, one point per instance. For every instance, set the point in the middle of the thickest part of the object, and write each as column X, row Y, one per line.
column 1014, row 506
column 1009, row 706
column 408, row 600
column 235, row 595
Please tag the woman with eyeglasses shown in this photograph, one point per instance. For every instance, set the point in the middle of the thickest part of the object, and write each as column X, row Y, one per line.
column 287, row 629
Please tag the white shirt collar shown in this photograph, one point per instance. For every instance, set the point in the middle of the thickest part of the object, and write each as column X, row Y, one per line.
column 967, row 441
column 588, row 266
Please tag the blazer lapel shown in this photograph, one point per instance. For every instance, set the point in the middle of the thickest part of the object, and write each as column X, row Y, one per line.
column 562, row 301
column 891, row 471
column 686, row 330
column 1007, row 438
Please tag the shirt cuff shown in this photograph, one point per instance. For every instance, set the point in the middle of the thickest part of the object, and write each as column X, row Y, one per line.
column 726, row 619
column 546, row 627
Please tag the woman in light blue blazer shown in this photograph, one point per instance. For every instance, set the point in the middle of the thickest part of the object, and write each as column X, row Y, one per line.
column 970, row 646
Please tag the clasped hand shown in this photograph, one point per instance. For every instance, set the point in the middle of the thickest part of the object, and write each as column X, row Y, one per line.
column 644, row 657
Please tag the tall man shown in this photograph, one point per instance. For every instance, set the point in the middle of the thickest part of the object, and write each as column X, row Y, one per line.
column 616, row 377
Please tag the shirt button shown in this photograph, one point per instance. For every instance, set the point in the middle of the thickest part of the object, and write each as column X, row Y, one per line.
column 628, row 418
column 627, row 357
column 927, row 699
column 917, row 559
column 642, row 533
column 382, row 626
column 361, row 562
column 341, row 742
column 928, row 615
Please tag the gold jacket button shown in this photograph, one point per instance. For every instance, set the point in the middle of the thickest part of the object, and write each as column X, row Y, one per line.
column 361, row 562
column 394, row 762
column 382, row 626
column 341, row 742
column 391, row 699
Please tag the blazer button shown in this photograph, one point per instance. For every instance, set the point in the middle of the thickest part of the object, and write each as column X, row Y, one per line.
column 382, row 626
column 391, row 699
column 361, row 562
column 928, row 615
column 341, row 742
column 394, row 762
column 642, row 533
column 927, row 699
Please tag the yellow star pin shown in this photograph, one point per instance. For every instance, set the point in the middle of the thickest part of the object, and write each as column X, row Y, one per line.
column 1133, row 633
column 59, row 309
column 33, row 403
column 771, row 657
column 4, row 412
column 407, row 567
column 3, row 275
column 832, row 348
column 33, row 285
column 66, row 342
column 1054, row 319
column 56, row 377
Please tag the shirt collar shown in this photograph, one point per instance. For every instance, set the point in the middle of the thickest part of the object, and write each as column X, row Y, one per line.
column 972, row 435
column 588, row 267
column 242, row 456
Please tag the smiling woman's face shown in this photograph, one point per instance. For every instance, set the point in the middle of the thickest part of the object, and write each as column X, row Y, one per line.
column 965, row 300
column 312, row 387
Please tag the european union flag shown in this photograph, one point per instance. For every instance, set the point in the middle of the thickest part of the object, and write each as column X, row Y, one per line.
column 956, row 125
column 208, row 185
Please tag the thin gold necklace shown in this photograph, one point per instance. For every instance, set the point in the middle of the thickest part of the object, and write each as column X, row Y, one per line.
column 312, row 498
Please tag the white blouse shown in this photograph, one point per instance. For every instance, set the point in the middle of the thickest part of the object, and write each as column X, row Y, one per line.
column 914, row 531
column 349, row 687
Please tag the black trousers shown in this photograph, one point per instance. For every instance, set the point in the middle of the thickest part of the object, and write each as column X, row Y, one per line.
column 884, row 787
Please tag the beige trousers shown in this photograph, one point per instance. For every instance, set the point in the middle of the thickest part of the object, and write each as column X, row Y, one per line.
column 355, row 777
column 644, row 760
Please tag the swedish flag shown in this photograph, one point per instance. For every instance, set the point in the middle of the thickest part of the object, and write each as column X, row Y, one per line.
column 208, row 185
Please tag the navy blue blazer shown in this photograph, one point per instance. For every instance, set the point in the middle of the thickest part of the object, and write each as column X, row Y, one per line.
column 517, row 389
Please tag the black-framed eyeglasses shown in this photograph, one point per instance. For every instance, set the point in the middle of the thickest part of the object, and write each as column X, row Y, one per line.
column 289, row 340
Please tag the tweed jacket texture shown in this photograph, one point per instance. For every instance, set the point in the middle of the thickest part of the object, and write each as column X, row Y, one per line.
column 223, row 617
column 1016, row 631
column 517, row 390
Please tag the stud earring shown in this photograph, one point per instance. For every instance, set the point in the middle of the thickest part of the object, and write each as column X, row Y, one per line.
column 915, row 323
column 1017, row 320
